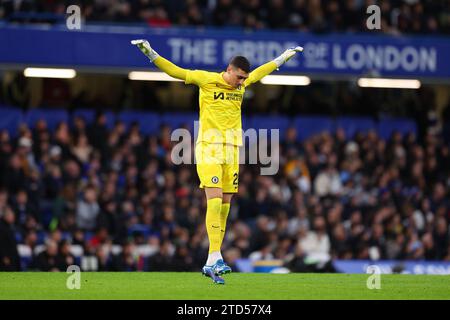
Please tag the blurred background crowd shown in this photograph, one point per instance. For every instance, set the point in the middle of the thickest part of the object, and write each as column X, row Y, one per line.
column 110, row 198
column 116, row 196
column 398, row 16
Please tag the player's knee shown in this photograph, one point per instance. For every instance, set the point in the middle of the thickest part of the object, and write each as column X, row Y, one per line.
column 212, row 193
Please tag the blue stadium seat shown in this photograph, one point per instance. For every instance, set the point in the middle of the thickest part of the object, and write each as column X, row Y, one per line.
column 89, row 116
column 148, row 121
column 352, row 125
column 180, row 119
column 25, row 263
column 19, row 237
column 51, row 116
column 46, row 213
column 10, row 119
column 308, row 126
column 41, row 236
column 66, row 236
column 88, row 235
column 388, row 125
column 139, row 228
column 270, row 122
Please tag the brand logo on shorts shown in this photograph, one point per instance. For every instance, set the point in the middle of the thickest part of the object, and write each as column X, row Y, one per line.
column 214, row 180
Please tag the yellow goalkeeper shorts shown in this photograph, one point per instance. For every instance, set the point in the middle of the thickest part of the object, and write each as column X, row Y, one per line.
column 218, row 166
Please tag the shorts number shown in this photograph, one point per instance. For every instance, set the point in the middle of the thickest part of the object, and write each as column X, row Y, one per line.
column 235, row 182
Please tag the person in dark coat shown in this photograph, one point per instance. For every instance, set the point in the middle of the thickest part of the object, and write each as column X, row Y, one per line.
column 47, row 260
column 9, row 255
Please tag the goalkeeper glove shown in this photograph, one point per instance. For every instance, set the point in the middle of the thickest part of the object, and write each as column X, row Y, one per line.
column 144, row 46
column 288, row 54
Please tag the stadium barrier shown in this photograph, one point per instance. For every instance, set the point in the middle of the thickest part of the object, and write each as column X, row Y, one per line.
column 355, row 266
column 150, row 122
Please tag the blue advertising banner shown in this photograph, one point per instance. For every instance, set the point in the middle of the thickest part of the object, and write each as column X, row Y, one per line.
column 356, row 266
column 392, row 266
column 330, row 54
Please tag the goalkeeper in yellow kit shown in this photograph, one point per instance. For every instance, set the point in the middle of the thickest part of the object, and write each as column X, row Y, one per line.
column 219, row 138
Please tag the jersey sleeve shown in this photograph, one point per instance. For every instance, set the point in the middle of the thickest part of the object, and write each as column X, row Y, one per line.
column 260, row 73
column 197, row 77
column 170, row 68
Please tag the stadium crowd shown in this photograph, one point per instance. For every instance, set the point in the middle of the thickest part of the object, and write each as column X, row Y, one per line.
column 397, row 16
column 117, row 196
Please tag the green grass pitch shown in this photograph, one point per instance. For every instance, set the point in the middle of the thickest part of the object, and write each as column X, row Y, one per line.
column 239, row 286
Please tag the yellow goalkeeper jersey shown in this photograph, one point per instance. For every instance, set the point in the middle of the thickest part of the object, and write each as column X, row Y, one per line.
column 220, row 104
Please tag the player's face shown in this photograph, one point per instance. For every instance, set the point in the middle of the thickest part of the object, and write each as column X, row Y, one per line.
column 237, row 76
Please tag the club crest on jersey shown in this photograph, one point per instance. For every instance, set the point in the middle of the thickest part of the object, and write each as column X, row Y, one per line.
column 215, row 180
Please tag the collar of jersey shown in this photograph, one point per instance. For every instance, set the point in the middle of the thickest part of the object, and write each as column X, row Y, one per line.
column 222, row 80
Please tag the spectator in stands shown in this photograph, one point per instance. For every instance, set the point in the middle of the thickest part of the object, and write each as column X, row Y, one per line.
column 9, row 256
column 98, row 133
column 182, row 260
column 297, row 261
column 65, row 258
column 316, row 244
column 127, row 260
column 265, row 253
column 81, row 149
column 163, row 259
column 87, row 209
column 278, row 15
column 314, row 15
column 382, row 198
column 328, row 182
column 47, row 260
column 23, row 208
column 15, row 177
column 222, row 12
column 441, row 238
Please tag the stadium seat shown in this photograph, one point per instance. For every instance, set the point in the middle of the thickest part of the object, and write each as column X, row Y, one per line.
column 10, row 119
column 388, row 125
column 66, row 236
column 76, row 250
column 88, row 235
column 38, row 249
column 18, row 236
column 146, row 250
column 89, row 116
column 46, row 212
column 270, row 122
column 179, row 120
column 116, row 249
column 352, row 125
column 52, row 116
column 142, row 229
column 41, row 236
column 26, row 256
column 148, row 121
column 308, row 126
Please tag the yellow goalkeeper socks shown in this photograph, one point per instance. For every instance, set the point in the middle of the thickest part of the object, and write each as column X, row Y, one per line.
column 213, row 225
column 223, row 220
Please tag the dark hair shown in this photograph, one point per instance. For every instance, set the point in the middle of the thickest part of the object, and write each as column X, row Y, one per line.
column 241, row 63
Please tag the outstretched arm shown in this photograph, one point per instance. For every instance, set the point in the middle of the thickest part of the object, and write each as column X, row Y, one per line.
column 260, row 72
column 271, row 66
column 163, row 64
